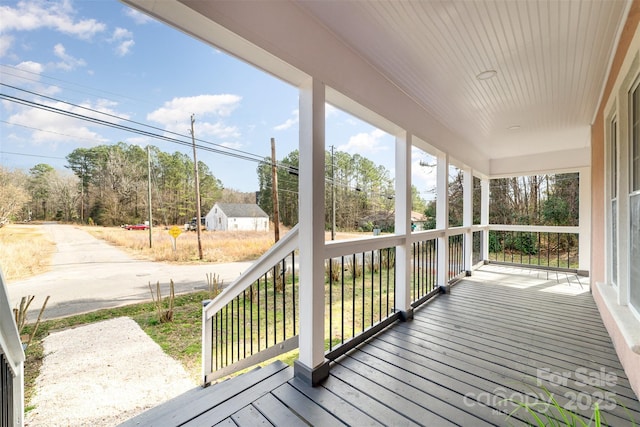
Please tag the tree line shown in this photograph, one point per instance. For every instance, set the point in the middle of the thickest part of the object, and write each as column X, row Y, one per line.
column 361, row 192
column 108, row 184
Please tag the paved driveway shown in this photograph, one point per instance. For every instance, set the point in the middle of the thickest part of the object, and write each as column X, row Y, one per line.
column 88, row 274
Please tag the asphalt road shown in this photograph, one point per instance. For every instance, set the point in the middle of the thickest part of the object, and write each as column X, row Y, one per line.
column 88, row 274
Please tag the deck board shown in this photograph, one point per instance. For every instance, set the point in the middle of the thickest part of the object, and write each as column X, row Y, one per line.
column 453, row 364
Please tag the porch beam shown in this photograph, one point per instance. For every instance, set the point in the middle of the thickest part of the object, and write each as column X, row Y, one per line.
column 403, row 224
column 312, row 367
column 442, row 219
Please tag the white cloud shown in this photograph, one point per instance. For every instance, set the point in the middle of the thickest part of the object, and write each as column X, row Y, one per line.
column 68, row 62
column 290, row 122
column 124, row 40
column 124, row 48
column 365, row 143
column 6, row 41
column 56, row 128
column 175, row 115
column 218, row 130
column 56, row 15
column 121, row 33
column 27, row 74
column 138, row 17
column 178, row 108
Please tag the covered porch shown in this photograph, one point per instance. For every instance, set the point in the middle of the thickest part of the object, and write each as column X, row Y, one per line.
column 384, row 336
column 503, row 336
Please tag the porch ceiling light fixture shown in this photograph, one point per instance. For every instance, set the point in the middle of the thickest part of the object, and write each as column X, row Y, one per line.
column 486, row 75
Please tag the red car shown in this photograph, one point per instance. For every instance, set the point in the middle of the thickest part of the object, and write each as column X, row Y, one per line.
column 136, row 227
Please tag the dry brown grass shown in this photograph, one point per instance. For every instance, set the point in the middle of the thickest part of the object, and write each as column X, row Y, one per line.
column 24, row 251
column 217, row 246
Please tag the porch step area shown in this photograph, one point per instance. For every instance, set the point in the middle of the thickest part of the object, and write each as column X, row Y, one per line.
column 503, row 333
column 226, row 401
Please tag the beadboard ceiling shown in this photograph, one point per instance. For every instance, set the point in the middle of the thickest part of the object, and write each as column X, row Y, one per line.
column 421, row 59
column 551, row 59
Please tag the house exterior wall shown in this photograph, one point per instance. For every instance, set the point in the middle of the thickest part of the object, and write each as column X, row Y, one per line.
column 622, row 325
column 218, row 220
column 248, row 224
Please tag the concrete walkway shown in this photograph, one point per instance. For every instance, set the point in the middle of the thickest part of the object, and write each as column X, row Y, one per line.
column 88, row 274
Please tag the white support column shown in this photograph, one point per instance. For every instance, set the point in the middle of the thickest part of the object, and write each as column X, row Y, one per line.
column 467, row 218
column 584, row 215
column 442, row 220
column 311, row 366
column 484, row 216
column 403, row 224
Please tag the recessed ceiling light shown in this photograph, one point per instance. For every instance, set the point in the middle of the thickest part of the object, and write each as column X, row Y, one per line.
column 514, row 127
column 486, row 75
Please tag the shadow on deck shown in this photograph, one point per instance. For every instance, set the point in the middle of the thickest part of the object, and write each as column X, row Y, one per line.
column 505, row 333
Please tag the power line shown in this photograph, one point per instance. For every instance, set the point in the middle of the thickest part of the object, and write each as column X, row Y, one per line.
column 47, row 131
column 31, row 155
column 233, row 152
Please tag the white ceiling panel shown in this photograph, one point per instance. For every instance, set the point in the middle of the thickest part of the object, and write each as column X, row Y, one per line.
column 551, row 59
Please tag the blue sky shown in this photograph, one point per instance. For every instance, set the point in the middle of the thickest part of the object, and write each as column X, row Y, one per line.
column 104, row 56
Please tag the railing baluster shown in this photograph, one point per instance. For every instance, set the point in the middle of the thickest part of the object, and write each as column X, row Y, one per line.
column 330, row 304
column 293, row 290
column 353, row 297
column 342, row 298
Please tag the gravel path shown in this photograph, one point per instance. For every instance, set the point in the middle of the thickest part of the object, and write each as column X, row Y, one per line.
column 103, row 374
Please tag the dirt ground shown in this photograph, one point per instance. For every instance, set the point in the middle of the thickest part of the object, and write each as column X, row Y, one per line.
column 103, row 374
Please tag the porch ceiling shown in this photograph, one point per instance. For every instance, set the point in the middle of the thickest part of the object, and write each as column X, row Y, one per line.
column 551, row 58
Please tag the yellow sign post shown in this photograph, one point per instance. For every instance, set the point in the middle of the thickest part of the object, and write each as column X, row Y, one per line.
column 174, row 232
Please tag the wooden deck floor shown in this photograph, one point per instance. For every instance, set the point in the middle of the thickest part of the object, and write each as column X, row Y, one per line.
column 505, row 333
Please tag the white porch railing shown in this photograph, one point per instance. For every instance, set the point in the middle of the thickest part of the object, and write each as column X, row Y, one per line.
column 11, row 364
column 257, row 317
column 538, row 246
column 240, row 327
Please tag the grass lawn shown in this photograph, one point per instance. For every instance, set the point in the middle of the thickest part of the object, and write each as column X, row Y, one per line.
column 24, row 251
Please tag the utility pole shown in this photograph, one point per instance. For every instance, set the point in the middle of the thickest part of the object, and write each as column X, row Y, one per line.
column 197, row 179
column 149, row 196
column 333, row 198
column 274, row 191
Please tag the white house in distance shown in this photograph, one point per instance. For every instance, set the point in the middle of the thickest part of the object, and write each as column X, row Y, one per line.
column 237, row 216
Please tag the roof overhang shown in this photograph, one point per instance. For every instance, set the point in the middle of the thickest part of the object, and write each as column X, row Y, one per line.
column 413, row 66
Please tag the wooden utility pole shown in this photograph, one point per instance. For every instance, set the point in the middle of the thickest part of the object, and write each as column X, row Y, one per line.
column 274, row 191
column 149, row 196
column 197, row 179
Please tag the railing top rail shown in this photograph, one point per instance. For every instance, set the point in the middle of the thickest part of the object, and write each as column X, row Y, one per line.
column 535, row 228
column 9, row 338
column 348, row 247
column 280, row 250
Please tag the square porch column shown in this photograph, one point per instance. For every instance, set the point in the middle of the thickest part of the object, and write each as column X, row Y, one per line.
column 312, row 367
column 467, row 218
column 403, row 224
column 442, row 220
column 484, row 217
